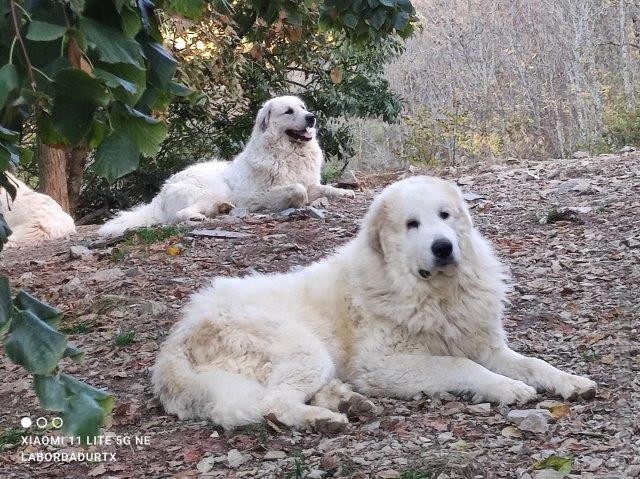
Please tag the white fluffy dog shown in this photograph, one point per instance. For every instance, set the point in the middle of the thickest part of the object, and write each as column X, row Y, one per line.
column 32, row 216
column 278, row 169
column 413, row 304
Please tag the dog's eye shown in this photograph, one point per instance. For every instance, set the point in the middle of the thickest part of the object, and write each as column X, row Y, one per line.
column 289, row 111
column 413, row 224
column 444, row 215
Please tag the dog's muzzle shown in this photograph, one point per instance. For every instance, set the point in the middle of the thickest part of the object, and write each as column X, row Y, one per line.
column 300, row 135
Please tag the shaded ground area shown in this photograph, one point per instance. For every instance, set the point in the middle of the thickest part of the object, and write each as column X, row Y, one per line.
column 575, row 304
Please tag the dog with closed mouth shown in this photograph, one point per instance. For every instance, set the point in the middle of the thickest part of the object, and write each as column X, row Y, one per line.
column 278, row 169
column 413, row 304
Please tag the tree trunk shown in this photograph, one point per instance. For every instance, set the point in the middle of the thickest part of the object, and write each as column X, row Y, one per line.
column 77, row 159
column 52, row 166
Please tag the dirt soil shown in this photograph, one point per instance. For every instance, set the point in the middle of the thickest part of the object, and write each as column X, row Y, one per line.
column 575, row 304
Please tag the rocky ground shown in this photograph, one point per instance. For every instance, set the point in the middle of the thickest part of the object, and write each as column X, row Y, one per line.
column 568, row 229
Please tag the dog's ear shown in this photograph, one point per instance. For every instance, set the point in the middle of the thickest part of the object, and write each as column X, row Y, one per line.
column 464, row 207
column 375, row 221
column 262, row 120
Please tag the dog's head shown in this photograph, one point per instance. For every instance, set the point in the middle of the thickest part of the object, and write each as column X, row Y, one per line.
column 417, row 224
column 286, row 116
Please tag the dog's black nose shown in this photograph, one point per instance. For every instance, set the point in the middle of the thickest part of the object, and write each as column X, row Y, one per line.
column 442, row 248
column 311, row 119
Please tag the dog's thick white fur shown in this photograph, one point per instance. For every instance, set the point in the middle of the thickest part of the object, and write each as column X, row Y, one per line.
column 413, row 304
column 33, row 217
column 278, row 169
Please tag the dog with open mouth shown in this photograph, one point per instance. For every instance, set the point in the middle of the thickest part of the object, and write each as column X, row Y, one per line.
column 278, row 169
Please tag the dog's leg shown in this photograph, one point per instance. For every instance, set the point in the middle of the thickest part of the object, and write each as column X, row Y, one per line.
column 202, row 210
column 278, row 199
column 318, row 191
column 296, row 379
column 537, row 373
column 406, row 375
column 338, row 396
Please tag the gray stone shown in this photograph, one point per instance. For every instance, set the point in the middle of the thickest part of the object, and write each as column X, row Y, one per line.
column 471, row 196
column 536, row 423
column 111, row 274
column 580, row 154
column 348, row 180
column 548, row 474
column 516, row 416
column 483, row 409
column 80, row 252
column 272, row 455
column 216, row 233
column 315, row 212
column 235, row 458
column 72, row 285
column 321, row 203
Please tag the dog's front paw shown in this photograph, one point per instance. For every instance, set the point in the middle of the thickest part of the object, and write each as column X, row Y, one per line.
column 508, row 391
column 570, row 386
column 224, row 208
column 348, row 193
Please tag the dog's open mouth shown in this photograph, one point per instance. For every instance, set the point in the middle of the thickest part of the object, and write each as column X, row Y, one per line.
column 300, row 135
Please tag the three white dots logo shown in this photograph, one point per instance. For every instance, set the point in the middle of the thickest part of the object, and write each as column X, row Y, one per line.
column 41, row 422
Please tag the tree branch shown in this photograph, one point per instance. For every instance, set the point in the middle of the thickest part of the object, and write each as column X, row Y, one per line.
column 16, row 28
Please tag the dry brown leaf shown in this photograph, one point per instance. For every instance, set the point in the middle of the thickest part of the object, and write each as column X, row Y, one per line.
column 336, row 75
column 560, row 411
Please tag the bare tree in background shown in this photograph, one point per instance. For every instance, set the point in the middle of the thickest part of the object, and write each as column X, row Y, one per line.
column 541, row 75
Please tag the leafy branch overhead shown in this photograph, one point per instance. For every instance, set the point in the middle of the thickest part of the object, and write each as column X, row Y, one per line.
column 90, row 72
column 97, row 71
column 31, row 339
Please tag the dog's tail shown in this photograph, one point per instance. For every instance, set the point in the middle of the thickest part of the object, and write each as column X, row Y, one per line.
column 143, row 215
column 190, row 392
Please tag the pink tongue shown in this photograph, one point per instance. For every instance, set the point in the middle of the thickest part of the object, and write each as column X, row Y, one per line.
column 306, row 134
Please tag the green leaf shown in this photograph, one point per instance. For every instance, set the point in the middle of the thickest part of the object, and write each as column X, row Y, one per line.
column 7, row 184
column 9, row 135
column 75, row 354
column 116, row 156
column 74, row 386
column 26, row 302
column 81, row 86
column 8, row 82
column 350, row 20
column 44, row 32
column 113, row 81
column 77, row 96
column 400, row 21
column 559, row 463
column 131, row 22
column 112, row 45
column 388, row 3
column 48, row 134
column 82, row 417
column 5, row 232
column 97, row 134
column 6, row 305
column 34, row 344
column 127, row 73
column 8, row 154
column 377, row 18
column 51, row 392
column 148, row 133
column 191, row 9
column 162, row 65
